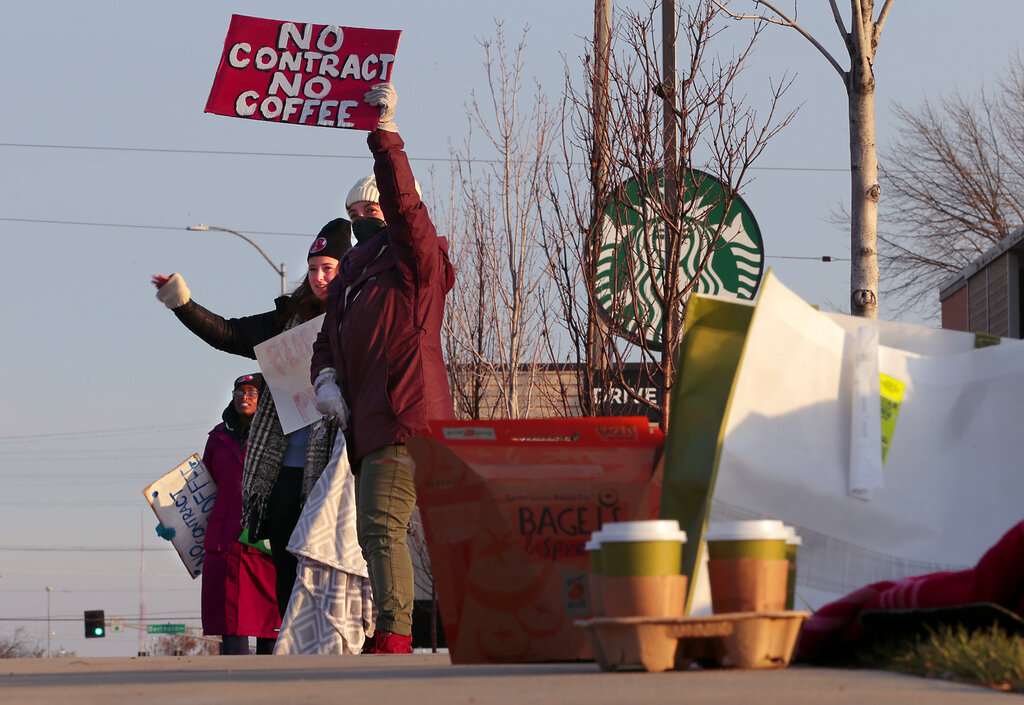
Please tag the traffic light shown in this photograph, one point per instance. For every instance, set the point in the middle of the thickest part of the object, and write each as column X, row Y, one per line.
column 95, row 625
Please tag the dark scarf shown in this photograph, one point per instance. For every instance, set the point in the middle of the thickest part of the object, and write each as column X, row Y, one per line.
column 356, row 260
column 265, row 454
column 233, row 423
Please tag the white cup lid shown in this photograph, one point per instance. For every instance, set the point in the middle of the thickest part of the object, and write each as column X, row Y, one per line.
column 592, row 545
column 751, row 530
column 650, row 530
column 793, row 539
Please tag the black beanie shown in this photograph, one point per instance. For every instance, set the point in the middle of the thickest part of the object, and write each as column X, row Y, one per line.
column 255, row 379
column 334, row 240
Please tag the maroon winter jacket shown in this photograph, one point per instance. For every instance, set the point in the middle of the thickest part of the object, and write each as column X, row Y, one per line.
column 382, row 331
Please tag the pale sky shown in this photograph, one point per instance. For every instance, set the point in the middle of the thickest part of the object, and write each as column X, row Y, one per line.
column 107, row 156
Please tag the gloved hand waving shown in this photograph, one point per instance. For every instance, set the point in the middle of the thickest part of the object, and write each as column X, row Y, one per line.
column 172, row 291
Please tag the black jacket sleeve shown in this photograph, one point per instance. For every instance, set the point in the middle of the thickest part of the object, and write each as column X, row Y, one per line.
column 237, row 336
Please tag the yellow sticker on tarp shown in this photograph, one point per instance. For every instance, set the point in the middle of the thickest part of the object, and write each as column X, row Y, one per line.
column 892, row 397
column 984, row 340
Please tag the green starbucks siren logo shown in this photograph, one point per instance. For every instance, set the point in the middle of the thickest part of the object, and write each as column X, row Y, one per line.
column 631, row 266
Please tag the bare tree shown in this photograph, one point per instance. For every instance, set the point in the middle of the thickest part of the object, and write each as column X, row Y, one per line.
column 657, row 249
column 860, row 38
column 955, row 173
column 17, row 646
column 497, row 316
column 185, row 645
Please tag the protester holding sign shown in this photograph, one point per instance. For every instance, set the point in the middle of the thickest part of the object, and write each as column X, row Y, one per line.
column 280, row 469
column 379, row 354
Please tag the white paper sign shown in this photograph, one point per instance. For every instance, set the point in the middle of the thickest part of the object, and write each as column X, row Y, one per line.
column 284, row 361
column 866, row 417
column 182, row 500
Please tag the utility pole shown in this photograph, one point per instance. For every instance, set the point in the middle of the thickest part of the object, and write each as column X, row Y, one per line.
column 48, row 632
column 600, row 115
column 142, row 582
column 672, row 321
column 669, row 131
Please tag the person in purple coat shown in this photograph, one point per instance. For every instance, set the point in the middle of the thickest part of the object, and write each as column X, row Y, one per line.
column 238, row 592
column 379, row 354
column 238, row 597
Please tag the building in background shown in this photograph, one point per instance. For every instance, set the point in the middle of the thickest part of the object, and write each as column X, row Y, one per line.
column 549, row 390
column 985, row 296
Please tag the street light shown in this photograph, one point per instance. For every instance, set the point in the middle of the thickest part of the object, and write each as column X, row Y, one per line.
column 48, row 632
column 203, row 227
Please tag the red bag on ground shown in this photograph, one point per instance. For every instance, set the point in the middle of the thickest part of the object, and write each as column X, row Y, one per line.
column 998, row 578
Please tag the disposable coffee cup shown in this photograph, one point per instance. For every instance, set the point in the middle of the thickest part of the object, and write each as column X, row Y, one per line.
column 793, row 542
column 640, row 564
column 747, row 565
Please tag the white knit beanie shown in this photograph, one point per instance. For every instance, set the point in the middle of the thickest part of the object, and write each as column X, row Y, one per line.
column 366, row 190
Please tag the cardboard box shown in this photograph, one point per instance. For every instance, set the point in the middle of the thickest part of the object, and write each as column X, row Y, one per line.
column 507, row 507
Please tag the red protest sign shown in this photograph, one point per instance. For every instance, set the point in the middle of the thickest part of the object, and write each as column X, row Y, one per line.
column 306, row 74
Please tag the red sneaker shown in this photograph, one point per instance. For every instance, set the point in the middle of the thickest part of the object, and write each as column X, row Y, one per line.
column 388, row 643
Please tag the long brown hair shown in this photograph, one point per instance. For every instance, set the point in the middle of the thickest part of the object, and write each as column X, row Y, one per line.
column 303, row 302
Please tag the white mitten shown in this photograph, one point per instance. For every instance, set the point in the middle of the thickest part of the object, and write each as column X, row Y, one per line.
column 384, row 95
column 328, row 397
column 174, row 292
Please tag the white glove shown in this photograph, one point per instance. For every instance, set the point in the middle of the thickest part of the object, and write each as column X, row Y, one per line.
column 384, row 95
column 328, row 397
column 174, row 292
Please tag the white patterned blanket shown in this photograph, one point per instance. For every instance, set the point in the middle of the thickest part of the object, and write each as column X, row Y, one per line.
column 331, row 608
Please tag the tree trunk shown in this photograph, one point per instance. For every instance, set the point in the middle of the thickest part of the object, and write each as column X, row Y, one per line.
column 865, row 190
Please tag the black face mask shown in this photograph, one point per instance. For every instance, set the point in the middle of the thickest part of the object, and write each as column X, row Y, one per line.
column 365, row 228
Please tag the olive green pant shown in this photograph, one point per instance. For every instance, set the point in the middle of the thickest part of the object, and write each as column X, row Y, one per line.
column 385, row 499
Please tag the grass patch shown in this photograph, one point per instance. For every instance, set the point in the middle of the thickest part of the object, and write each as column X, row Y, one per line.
column 986, row 657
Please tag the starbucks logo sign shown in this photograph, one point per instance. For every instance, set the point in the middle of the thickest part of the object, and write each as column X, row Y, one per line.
column 632, row 262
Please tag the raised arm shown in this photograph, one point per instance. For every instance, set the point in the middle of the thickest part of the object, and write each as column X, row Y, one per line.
column 412, row 234
column 238, row 336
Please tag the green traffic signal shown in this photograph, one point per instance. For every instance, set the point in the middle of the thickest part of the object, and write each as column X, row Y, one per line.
column 95, row 624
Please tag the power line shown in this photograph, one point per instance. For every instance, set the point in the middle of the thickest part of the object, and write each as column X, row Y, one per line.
column 215, row 152
column 825, row 258
column 73, row 504
column 103, row 433
column 86, row 549
column 11, row 452
column 152, row 454
column 130, row 225
column 361, row 157
column 76, row 591
column 150, row 617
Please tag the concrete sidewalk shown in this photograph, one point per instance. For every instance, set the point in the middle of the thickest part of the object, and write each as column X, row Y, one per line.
column 430, row 679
